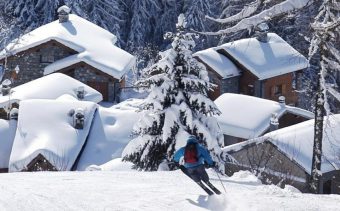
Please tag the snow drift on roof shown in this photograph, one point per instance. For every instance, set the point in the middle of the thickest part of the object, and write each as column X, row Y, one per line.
column 297, row 141
column 95, row 45
column 50, row 87
column 7, row 132
column 218, row 62
column 265, row 59
column 45, row 127
column 249, row 117
column 110, row 133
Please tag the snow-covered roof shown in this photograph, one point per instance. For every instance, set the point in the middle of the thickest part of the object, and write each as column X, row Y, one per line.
column 218, row 62
column 110, row 133
column 7, row 132
column 96, row 46
column 248, row 117
column 265, row 59
column 46, row 127
column 297, row 141
column 50, row 87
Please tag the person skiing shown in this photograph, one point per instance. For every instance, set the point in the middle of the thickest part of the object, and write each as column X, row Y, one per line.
column 191, row 159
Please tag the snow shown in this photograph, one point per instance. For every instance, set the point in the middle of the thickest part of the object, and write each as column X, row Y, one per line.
column 218, row 62
column 265, row 59
column 136, row 190
column 249, row 117
column 46, row 127
column 110, row 133
column 245, row 22
column 95, row 45
column 7, row 131
column 245, row 12
column 64, row 9
column 297, row 141
column 49, row 87
column 114, row 165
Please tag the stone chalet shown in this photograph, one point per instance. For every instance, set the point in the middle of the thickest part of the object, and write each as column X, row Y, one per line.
column 245, row 117
column 73, row 46
column 265, row 68
column 284, row 156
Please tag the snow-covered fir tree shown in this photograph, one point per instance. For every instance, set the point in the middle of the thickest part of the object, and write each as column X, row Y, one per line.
column 108, row 14
column 196, row 10
column 176, row 107
column 144, row 17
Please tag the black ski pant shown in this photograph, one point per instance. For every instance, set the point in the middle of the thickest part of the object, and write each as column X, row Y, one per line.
column 196, row 173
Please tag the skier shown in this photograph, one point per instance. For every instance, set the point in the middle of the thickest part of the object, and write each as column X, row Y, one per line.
column 191, row 160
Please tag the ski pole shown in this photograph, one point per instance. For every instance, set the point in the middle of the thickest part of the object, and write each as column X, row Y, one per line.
column 220, row 180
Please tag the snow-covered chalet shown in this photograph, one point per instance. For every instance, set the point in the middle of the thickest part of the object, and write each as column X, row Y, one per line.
column 265, row 66
column 246, row 117
column 285, row 156
column 73, row 46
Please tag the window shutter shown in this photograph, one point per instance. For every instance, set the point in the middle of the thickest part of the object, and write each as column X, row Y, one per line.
column 283, row 89
column 272, row 92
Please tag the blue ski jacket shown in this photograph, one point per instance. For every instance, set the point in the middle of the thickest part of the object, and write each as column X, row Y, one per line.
column 202, row 154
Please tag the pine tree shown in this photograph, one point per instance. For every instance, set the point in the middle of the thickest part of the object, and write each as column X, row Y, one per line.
column 176, row 106
column 108, row 14
column 195, row 12
column 143, row 21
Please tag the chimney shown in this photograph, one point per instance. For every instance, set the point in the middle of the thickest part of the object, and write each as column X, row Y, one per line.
column 282, row 100
column 261, row 31
column 274, row 122
column 63, row 13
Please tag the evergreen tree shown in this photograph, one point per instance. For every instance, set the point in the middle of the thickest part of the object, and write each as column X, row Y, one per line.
column 176, row 106
column 195, row 12
column 143, row 21
column 108, row 14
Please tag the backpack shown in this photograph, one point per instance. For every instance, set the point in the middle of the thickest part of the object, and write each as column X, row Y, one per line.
column 190, row 153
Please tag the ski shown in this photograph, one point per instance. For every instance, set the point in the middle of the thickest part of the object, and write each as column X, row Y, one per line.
column 218, row 192
column 205, row 188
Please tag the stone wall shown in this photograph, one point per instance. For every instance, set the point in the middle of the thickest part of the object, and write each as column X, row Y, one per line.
column 86, row 74
column 32, row 67
column 30, row 64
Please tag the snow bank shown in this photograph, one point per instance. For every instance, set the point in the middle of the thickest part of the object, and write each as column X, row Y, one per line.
column 218, row 62
column 51, row 86
column 7, row 132
column 46, row 127
column 113, row 165
column 249, row 117
column 96, row 46
column 111, row 132
column 265, row 59
column 151, row 191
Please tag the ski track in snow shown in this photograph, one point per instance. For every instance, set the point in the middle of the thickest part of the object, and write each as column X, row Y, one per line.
column 135, row 190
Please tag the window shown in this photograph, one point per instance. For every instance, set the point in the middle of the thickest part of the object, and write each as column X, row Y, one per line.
column 278, row 90
column 250, row 90
column 47, row 58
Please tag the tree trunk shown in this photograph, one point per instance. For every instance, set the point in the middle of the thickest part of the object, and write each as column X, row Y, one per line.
column 316, row 173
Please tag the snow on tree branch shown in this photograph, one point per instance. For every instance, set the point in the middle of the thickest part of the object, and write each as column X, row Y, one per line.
column 244, row 13
column 278, row 9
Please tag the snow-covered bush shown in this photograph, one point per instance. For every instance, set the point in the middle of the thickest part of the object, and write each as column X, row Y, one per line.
column 176, row 107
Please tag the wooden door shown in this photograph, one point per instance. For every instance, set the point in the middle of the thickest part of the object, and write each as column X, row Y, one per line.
column 101, row 87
